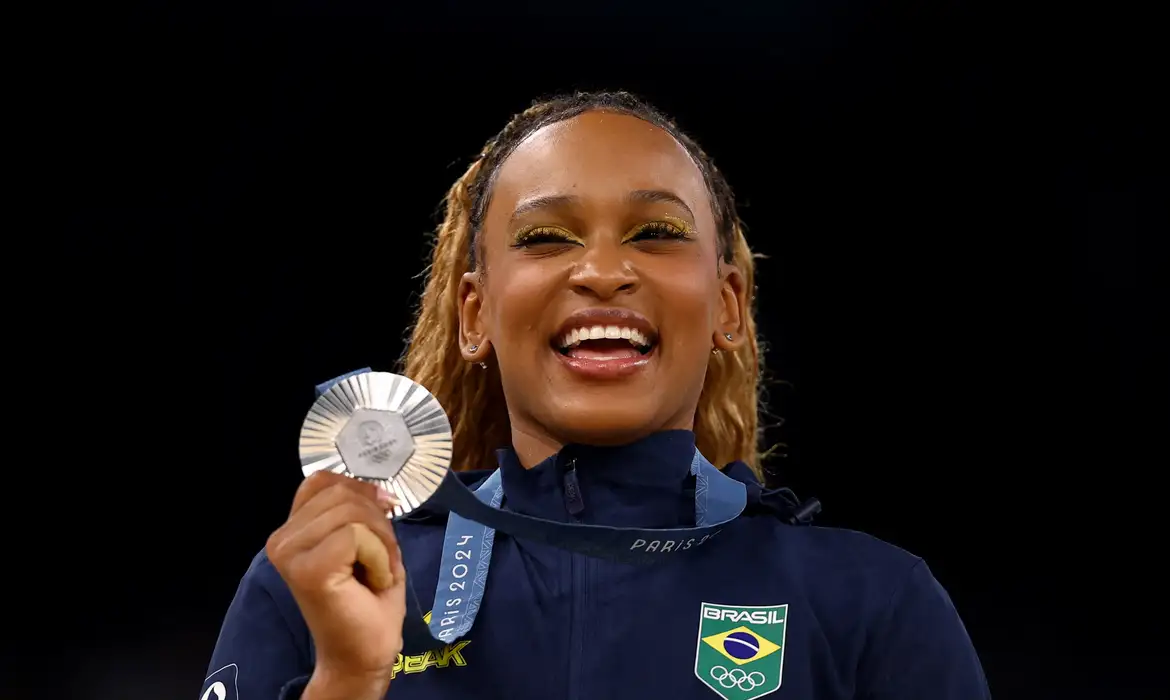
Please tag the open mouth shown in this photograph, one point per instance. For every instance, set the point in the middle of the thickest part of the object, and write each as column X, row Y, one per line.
column 605, row 343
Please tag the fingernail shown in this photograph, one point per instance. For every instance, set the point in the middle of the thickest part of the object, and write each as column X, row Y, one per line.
column 384, row 499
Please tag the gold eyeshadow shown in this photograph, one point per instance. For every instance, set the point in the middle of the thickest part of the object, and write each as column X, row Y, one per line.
column 666, row 227
column 681, row 223
column 530, row 235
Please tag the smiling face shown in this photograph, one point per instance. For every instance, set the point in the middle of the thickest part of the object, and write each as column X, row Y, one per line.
column 600, row 291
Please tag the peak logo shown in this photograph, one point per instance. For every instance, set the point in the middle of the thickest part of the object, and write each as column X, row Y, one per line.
column 436, row 658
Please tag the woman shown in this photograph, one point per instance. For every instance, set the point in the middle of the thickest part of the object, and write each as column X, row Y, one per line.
column 587, row 324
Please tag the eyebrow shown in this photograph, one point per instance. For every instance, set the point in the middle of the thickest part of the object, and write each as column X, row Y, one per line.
column 565, row 200
column 660, row 197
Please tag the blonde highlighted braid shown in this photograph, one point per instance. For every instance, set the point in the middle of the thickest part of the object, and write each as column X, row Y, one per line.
column 727, row 418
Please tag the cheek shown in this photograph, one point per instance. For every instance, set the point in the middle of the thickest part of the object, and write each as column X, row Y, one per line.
column 518, row 297
column 688, row 295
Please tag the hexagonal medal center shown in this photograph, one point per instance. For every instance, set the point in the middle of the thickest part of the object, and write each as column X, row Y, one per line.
column 375, row 444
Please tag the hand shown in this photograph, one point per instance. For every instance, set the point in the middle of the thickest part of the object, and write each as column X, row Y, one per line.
column 340, row 559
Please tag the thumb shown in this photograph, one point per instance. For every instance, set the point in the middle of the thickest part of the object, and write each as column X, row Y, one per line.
column 372, row 555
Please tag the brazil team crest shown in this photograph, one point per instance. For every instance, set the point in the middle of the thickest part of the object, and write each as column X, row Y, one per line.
column 740, row 651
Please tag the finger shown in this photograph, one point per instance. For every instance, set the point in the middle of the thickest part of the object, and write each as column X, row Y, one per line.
column 333, row 496
column 319, row 481
column 384, row 533
column 389, row 540
column 372, row 554
column 332, row 561
column 302, row 534
column 324, row 566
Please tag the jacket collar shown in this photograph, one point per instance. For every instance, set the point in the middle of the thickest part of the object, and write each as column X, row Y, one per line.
column 643, row 484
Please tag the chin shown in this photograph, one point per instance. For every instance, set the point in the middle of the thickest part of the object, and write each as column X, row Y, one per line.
column 603, row 424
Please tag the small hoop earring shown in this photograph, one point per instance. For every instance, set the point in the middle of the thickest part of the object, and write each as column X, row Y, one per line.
column 727, row 335
column 714, row 351
column 483, row 365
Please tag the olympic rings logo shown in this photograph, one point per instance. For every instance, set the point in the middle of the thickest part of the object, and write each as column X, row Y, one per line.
column 737, row 678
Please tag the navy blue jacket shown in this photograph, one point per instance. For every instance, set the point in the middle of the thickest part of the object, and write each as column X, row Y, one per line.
column 766, row 607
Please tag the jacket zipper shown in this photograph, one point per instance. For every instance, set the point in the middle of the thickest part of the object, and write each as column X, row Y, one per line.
column 579, row 564
column 575, row 504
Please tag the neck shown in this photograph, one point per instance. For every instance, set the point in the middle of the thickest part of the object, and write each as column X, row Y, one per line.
column 534, row 445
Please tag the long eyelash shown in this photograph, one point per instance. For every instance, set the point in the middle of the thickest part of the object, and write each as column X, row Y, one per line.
column 541, row 234
column 660, row 230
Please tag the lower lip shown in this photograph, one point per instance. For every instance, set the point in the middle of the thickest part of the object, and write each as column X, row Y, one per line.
column 618, row 368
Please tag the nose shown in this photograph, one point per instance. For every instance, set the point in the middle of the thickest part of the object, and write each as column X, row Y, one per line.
column 603, row 272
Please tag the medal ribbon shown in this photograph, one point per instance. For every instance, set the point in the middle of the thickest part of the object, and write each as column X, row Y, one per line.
column 476, row 516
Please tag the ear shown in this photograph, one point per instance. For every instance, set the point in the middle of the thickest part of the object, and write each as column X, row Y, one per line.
column 733, row 311
column 472, row 326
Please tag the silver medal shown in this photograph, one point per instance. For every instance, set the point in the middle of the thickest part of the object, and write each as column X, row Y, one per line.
column 382, row 428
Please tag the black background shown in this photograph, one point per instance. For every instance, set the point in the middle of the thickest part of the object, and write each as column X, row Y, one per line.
column 961, row 295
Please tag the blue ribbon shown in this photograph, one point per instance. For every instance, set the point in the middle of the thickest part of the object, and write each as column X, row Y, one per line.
column 476, row 516
column 467, row 545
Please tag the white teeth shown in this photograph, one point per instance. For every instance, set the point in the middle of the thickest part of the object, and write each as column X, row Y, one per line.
column 575, row 336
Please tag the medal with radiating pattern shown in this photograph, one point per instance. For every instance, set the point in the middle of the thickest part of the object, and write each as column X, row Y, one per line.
column 382, row 428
